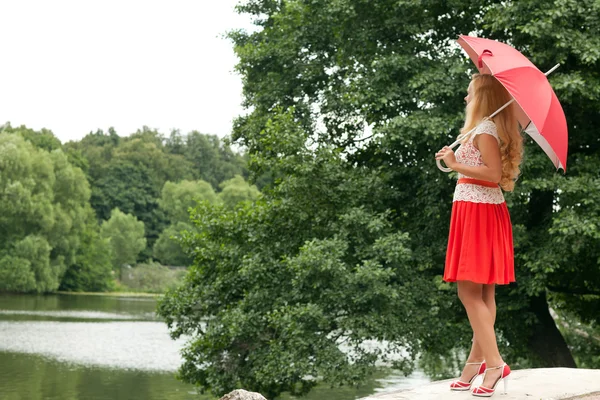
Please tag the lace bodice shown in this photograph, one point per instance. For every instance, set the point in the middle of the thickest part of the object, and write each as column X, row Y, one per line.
column 469, row 155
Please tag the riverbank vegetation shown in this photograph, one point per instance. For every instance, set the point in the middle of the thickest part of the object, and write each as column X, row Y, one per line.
column 104, row 213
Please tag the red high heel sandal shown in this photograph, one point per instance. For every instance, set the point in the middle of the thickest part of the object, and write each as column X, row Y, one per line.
column 482, row 391
column 460, row 386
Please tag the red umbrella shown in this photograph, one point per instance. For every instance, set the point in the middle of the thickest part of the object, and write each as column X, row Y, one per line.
column 539, row 110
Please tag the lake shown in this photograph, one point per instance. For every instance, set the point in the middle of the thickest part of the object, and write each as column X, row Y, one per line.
column 86, row 347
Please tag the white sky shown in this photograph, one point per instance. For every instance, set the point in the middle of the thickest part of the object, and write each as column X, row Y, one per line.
column 77, row 66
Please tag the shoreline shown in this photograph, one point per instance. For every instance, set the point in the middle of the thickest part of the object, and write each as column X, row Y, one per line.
column 110, row 294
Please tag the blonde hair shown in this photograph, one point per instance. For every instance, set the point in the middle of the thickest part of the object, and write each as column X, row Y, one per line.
column 488, row 96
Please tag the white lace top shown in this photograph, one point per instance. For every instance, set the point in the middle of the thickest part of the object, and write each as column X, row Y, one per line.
column 468, row 154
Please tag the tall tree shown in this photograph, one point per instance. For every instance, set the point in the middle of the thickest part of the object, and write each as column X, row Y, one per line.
column 394, row 68
column 92, row 269
column 125, row 235
column 236, row 190
column 44, row 203
column 167, row 248
column 273, row 293
column 176, row 201
column 558, row 215
column 177, row 198
column 43, row 139
column 128, row 173
column 383, row 82
column 212, row 159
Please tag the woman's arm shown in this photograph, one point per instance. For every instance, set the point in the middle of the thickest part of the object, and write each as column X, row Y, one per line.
column 490, row 154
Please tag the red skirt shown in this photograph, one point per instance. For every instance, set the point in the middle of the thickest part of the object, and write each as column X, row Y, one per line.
column 480, row 244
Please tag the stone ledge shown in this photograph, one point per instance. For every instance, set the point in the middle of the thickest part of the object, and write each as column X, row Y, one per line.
column 533, row 384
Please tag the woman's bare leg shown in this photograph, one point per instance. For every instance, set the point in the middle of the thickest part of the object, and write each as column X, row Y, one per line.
column 476, row 354
column 482, row 322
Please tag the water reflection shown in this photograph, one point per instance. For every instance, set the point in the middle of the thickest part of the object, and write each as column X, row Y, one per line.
column 128, row 345
column 31, row 377
column 70, row 315
column 78, row 347
column 142, row 306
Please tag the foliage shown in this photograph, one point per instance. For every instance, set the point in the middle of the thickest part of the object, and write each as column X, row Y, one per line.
column 583, row 339
column 558, row 215
column 272, row 295
column 92, row 269
column 177, row 198
column 125, row 235
column 212, row 159
column 380, row 85
column 44, row 208
column 176, row 201
column 129, row 173
column 43, row 139
column 167, row 248
column 53, row 238
column 236, row 190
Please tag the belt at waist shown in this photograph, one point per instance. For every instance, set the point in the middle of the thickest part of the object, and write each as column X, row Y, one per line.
column 477, row 182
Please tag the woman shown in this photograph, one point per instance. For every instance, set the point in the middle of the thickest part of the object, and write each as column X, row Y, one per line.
column 480, row 248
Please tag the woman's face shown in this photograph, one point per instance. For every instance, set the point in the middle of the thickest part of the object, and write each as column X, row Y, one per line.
column 469, row 93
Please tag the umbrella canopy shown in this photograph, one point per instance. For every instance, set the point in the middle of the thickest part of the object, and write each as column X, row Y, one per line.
column 539, row 111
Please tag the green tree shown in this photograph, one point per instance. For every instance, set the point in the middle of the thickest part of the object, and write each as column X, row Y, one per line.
column 96, row 149
column 167, row 248
column 236, row 190
column 129, row 173
column 176, row 201
column 558, row 215
column 43, row 139
column 125, row 235
column 382, row 83
column 350, row 65
column 92, row 270
column 212, row 159
column 177, row 198
column 145, row 147
column 279, row 292
column 43, row 201
column 130, row 187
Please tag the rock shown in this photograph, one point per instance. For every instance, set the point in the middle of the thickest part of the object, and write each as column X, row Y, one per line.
column 593, row 396
column 242, row 395
column 535, row 384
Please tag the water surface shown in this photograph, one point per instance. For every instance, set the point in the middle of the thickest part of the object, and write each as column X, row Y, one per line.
column 85, row 347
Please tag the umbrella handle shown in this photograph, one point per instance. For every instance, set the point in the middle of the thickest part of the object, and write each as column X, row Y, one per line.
column 439, row 163
column 458, row 141
column 466, row 135
column 442, row 168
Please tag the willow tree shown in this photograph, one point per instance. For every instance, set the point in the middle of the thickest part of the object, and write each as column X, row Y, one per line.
column 44, row 205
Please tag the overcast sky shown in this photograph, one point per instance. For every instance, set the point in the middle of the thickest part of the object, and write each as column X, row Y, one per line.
column 77, row 66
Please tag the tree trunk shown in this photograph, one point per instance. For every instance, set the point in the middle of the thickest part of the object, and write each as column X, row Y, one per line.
column 547, row 342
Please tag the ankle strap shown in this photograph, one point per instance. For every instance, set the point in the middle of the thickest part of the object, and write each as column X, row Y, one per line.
column 498, row 367
column 475, row 363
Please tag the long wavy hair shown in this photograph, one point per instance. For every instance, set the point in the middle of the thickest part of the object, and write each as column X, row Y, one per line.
column 488, row 96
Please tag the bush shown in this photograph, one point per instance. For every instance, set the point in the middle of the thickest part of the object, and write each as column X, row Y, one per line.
column 151, row 277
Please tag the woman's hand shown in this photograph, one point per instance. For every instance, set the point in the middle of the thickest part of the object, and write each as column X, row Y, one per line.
column 447, row 155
